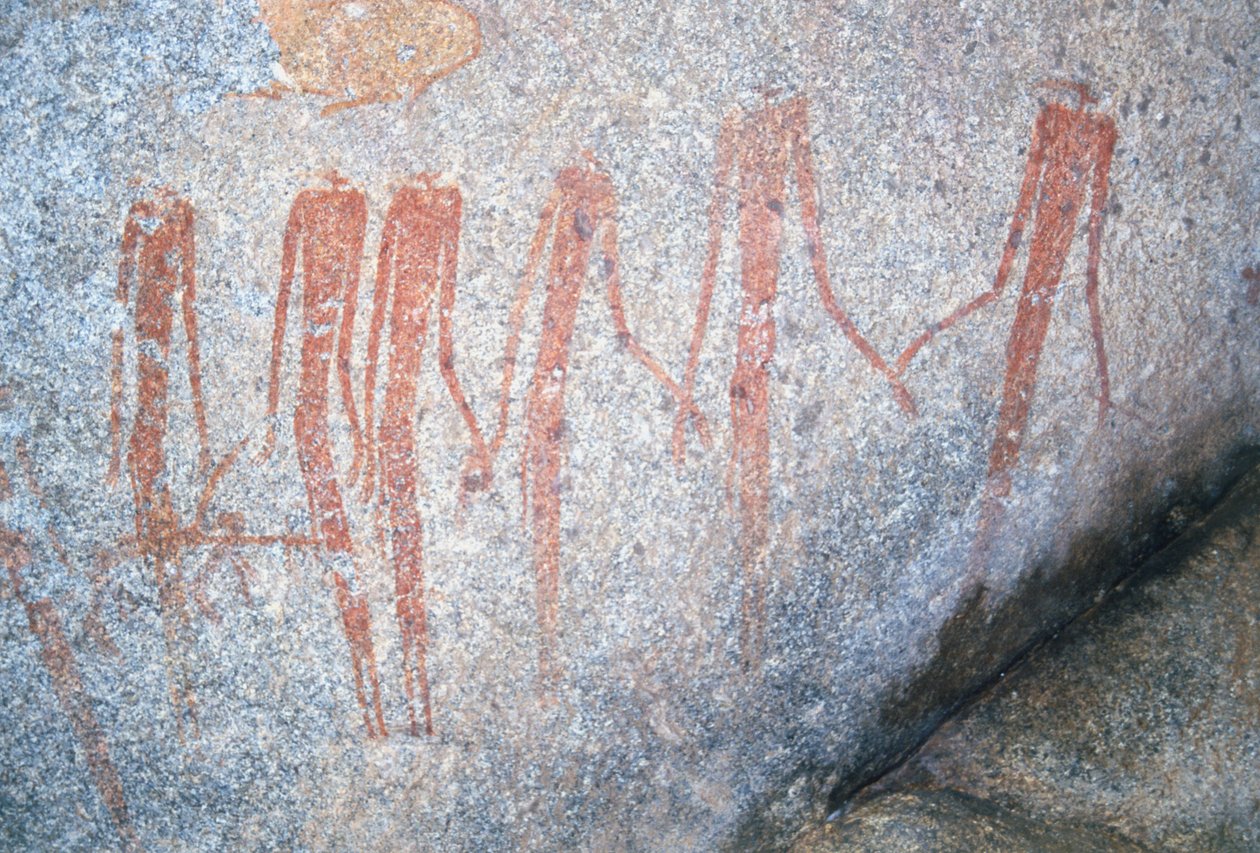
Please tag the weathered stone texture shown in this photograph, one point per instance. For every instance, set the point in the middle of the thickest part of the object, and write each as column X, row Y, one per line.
column 647, row 655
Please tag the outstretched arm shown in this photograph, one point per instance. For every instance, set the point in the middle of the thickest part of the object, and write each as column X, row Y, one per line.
column 804, row 161
column 708, row 277
column 188, row 277
column 345, row 337
column 380, row 302
column 448, row 263
column 1023, row 209
column 612, row 270
column 126, row 272
column 1098, row 202
column 288, row 259
column 517, row 317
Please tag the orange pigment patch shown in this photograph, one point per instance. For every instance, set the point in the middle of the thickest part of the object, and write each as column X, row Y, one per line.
column 369, row 51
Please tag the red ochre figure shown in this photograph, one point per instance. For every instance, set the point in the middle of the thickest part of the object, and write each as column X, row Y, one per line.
column 418, row 259
column 580, row 213
column 159, row 261
column 1070, row 155
column 762, row 145
column 326, row 227
column 58, row 659
column 1252, row 275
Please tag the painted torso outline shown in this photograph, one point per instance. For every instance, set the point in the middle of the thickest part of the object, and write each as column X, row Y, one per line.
column 1070, row 154
column 416, row 268
column 762, row 146
column 579, row 216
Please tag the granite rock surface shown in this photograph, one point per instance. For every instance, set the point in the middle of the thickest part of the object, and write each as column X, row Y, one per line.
column 946, row 821
column 700, row 477
column 1143, row 716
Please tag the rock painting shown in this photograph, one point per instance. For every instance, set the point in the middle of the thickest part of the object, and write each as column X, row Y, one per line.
column 1070, row 156
column 326, row 230
column 19, row 554
column 159, row 263
column 370, row 51
column 1252, row 275
column 580, row 214
column 417, row 262
column 762, row 147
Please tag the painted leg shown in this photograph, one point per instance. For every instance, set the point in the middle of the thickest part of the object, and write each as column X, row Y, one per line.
column 750, row 410
column 546, row 460
column 407, row 532
column 1023, row 351
column 315, row 459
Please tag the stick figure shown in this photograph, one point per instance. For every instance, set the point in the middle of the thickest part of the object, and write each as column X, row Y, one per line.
column 581, row 207
column 225, row 536
column 1070, row 155
column 326, row 227
column 762, row 145
column 158, row 261
column 418, row 258
column 231, row 526
column 58, row 659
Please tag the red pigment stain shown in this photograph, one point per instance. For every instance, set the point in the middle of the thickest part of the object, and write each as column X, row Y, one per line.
column 763, row 147
column 326, row 228
column 580, row 214
column 1070, row 155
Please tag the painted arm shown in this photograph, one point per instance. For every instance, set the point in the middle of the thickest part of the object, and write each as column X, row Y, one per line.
column 188, row 277
column 380, row 304
column 1098, row 202
column 126, row 272
column 517, row 318
column 612, row 270
column 818, row 257
column 288, row 259
column 708, row 277
column 345, row 337
column 1023, row 209
column 477, row 469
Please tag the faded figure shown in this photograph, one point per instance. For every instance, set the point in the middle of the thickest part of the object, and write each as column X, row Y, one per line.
column 157, row 270
column 1069, row 157
column 326, row 229
column 762, row 147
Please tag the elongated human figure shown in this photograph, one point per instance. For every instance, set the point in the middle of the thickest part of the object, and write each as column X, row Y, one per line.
column 418, row 258
column 764, row 146
column 1070, row 156
column 326, row 228
column 158, row 264
column 580, row 213
column 57, row 655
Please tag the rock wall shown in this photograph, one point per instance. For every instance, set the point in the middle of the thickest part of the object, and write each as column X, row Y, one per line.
column 747, row 384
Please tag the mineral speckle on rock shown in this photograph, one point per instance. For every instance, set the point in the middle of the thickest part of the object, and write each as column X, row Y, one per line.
column 1144, row 715
column 748, row 383
column 946, row 821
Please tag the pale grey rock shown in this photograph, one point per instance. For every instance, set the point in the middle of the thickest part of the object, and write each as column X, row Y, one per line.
column 920, row 119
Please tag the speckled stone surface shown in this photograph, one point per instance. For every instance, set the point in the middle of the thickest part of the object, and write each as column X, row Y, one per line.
column 1144, row 715
column 949, row 822
column 177, row 665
